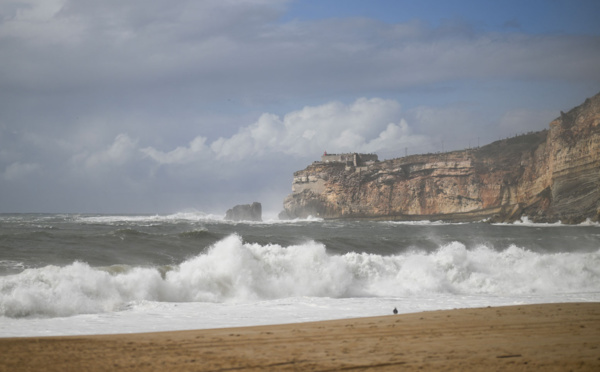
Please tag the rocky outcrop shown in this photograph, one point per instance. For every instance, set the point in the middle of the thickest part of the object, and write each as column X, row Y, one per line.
column 547, row 176
column 245, row 212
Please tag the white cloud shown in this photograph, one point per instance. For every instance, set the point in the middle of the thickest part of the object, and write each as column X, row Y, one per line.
column 120, row 152
column 196, row 151
column 395, row 138
column 336, row 127
column 366, row 125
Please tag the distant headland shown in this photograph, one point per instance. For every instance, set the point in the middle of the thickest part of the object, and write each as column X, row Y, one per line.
column 547, row 176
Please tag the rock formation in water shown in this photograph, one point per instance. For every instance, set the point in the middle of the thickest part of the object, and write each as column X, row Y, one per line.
column 547, row 176
column 245, row 212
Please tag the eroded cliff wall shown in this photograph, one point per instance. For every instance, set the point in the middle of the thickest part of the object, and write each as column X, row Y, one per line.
column 548, row 176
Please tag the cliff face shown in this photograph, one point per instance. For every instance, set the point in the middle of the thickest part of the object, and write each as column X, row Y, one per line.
column 548, row 176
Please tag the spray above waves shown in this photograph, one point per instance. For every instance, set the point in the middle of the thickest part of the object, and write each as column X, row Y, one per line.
column 149, row 219
column 234, row 271
column 525, row 221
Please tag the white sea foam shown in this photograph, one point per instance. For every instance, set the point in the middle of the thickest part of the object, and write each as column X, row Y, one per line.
column 232, row 271
column 422, row 223
column 11, row 265
column 589, row 222
column 154, row 316
column 525, row 221
column 183, row 216
column 176, row 217
column 276, row 220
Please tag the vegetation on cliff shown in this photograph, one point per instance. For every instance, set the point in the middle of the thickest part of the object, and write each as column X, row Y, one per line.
column 547, row 176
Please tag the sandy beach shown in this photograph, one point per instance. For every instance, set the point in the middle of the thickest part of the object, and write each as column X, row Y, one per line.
column 549, row 337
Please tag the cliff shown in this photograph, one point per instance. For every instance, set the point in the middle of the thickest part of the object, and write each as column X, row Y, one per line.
column 547, row 176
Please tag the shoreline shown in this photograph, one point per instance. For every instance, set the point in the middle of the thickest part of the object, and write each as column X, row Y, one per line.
column 558, row 336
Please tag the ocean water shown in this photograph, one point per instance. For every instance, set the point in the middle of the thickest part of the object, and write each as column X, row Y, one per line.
column 97, row 274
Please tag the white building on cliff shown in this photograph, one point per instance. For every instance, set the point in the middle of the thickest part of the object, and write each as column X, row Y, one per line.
column 354, row 159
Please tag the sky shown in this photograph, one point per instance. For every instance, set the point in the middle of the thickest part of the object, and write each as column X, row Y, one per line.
column 160, row 106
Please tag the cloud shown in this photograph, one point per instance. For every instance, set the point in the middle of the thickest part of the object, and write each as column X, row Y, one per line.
column 257, row 139
column 196, row 151
column 394, row 138
column 241, row 47
column 366, row 125
column 113, row 43
column 334, row 127
column 39, row 23
column 17, row 171
column 173, row 99
column 122, row 151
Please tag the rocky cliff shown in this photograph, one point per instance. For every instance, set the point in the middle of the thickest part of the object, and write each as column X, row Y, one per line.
column 547, row 176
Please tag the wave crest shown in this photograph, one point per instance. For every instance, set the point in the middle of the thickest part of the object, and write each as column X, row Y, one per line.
column 232, row 270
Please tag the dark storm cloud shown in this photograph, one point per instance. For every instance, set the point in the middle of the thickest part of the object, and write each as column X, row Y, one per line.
column 223, row 48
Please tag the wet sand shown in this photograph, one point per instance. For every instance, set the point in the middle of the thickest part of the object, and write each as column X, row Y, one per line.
column 549, row 337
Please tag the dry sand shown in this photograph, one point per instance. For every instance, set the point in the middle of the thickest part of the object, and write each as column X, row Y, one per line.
column 548, row 337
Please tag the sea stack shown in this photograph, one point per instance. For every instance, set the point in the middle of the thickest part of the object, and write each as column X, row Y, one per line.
column 245, row 212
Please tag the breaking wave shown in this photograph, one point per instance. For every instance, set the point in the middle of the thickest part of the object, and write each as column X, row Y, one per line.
column 234, row 271
column 149, row 219
column 525, row 221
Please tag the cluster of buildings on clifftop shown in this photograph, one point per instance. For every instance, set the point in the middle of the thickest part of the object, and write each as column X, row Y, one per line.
column 354, row 159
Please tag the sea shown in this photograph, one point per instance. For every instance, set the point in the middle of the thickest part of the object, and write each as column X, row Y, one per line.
column 82, row 274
